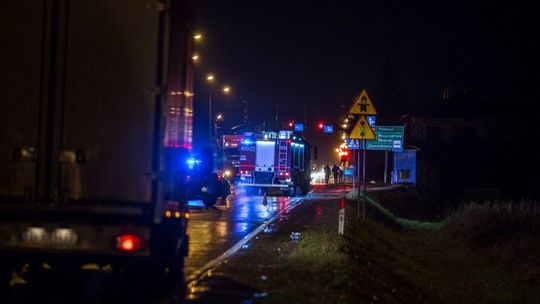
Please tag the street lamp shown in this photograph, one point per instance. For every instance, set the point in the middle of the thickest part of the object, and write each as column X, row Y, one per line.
column 219, row 117
column 226, row 90
column 197, row 36
column 195, row 57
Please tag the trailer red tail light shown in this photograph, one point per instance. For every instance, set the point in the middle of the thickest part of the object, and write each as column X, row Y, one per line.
column 128, row 242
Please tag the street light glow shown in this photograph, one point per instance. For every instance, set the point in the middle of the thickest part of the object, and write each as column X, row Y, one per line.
column 195, row 57
column 226, row 89
column 210, row 77
column 219, row 117
column 197, row 36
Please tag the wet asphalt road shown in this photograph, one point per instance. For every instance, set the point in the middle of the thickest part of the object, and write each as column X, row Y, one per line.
column 212, row 231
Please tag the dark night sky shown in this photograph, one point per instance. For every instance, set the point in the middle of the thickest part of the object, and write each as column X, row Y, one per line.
column 322, row 53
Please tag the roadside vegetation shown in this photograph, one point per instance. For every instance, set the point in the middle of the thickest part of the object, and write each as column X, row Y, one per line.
column 478, row 253
column 507, row 231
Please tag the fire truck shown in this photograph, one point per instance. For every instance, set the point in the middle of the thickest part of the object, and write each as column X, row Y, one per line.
column 274, row 163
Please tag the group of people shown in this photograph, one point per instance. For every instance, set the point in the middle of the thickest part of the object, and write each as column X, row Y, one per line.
column 337, row 173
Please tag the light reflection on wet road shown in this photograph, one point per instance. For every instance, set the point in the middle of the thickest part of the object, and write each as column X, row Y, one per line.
column 213, row 231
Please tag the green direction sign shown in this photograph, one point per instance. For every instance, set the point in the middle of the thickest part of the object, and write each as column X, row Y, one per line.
column 388, row 138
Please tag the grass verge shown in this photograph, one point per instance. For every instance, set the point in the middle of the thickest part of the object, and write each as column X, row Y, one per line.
column 386, row 259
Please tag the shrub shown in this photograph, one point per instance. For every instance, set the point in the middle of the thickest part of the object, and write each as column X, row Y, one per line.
column 490, row 221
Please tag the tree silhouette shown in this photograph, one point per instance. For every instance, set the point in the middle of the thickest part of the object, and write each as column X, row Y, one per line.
column 390, row 98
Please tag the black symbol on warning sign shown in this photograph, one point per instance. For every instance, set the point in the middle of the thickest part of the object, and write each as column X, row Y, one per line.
column 363, row 104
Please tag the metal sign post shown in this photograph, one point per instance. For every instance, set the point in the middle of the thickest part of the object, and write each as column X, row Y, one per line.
column 362, row 130
column 364, row 180
column 353, row 176
column 358, row 192
column 385, row 166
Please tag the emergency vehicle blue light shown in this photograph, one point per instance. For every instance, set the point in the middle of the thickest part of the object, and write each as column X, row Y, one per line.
column 195, row 203
column 247, row 142
column 191, row 162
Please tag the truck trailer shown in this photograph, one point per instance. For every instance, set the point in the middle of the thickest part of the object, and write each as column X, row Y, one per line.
column 274, row 162
column 95, row 135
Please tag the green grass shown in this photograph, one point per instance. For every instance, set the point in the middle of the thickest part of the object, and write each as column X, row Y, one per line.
column 388, row 259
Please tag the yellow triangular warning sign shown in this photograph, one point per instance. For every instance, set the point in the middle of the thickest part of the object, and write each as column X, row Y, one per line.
column 362, row 130
column 363, row 105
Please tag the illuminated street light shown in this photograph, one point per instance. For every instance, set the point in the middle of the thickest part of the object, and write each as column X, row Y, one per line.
column 210, row 77
column 226, row 89
column 197, row 36
column 219, row 117
column 195, row 57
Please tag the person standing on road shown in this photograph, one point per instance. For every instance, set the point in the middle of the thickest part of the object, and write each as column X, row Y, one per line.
column 340, row 175
column 326, row 173
column 335, row 172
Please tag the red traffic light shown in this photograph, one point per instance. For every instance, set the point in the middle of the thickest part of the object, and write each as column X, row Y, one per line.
column 291, row 124
column 321, row 126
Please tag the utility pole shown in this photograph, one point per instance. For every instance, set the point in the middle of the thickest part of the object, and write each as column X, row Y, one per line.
column 210, row 117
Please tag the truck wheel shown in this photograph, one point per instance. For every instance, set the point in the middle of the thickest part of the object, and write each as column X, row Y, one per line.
column 305, row 190
column 135, row 276
column 174, row 275
column 210, row 202
column 287, row 192
column 6, row 271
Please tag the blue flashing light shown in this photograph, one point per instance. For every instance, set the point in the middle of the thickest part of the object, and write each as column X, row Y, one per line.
column 191, row 162
column 246, row 142
column 195, row 203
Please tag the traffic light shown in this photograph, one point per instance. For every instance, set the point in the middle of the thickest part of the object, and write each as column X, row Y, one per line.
column 344, row 156
column 291, row 124
column 320, row 126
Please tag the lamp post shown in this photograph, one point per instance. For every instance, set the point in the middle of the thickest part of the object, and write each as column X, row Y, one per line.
column 210, row 117
column 219, row 118
column 210, row 78
column 226, row 90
